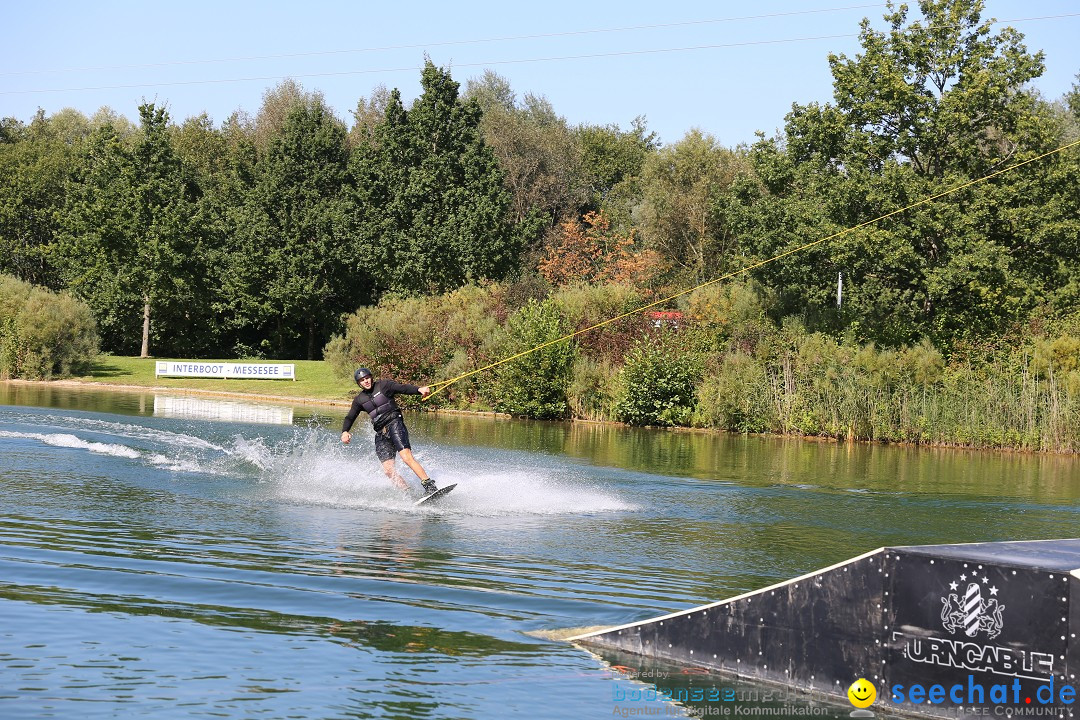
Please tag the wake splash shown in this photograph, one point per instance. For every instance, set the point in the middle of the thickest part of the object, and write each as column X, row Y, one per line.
column 317, row 469
column 177, row 461
column 308, row 465
column 67, row 440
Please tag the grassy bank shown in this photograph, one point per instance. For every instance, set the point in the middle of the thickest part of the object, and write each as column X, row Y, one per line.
column 315, row 380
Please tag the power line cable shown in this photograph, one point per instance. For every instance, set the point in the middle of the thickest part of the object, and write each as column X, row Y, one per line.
column 416, row 67
column 588, row 56
column 509, row 38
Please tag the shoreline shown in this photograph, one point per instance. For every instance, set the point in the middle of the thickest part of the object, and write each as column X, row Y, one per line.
column 114, row 387
column 276, row 399
column 344, row 403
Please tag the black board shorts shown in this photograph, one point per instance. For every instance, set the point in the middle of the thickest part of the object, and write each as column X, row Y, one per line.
column 391, row 439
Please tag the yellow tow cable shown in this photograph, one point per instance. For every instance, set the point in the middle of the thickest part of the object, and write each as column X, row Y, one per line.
column 442, row 385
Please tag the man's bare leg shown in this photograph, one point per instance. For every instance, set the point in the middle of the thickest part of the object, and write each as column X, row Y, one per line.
column 392, row 473
column 407, row 456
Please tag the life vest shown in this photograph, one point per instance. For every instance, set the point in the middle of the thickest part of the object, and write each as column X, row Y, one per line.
column 380, row 406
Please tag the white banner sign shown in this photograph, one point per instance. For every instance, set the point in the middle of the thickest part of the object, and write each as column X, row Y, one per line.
column 208, row 369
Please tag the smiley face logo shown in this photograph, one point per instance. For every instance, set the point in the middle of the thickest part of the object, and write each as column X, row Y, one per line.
column 862, row 693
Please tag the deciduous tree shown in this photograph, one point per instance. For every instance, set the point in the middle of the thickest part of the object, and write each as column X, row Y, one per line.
column 539, row 154
column 591, row 252
column 928, row 105
column 682, row 213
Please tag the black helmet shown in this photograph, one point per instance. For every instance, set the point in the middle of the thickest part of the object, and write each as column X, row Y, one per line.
column 360, row 374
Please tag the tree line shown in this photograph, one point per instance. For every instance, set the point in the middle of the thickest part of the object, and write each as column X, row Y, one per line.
column 253, row 238
column 257, row 237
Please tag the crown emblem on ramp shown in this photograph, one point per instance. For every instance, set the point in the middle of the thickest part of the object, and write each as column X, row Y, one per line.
column 971, row 612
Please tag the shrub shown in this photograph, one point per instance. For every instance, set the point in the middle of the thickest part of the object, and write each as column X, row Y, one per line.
column 922, row 364
column 658, row 383
column 592, row 389
column 1061, row 355
column 583, row 306
column 393, row 338
column 725, row 305
column 421, row 339
column 535, row 385
column 43, row 334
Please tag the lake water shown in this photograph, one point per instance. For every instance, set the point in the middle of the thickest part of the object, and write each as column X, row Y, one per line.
column 176, row 557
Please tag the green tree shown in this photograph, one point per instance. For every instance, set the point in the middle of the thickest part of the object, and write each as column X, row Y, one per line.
column 368, row 114
column 295, row 265
column 539, row 155
column 535, row 385
column 277, row 103
column 11, row 130
column 612, row 157
column 940, row 93
column 1069, row 110
column 612, row 161
column 128, row 243
column 34, row 167
column 206, row 159
column 1072, row 98
column 166, row 258
column 429, row 211
column 239, row 299
column 106, row 117
column 682, row 212
column 96, row 245
column 657, row 384
column 925, row 107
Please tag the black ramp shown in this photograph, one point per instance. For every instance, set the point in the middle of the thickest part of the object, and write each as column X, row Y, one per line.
column 940, row 630
column 1060, row 555
column 806, row 632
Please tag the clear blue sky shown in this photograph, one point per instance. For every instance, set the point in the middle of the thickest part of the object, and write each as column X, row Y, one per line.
column 217, row 57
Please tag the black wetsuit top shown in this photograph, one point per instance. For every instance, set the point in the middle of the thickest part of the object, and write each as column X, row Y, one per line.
column 378, row 403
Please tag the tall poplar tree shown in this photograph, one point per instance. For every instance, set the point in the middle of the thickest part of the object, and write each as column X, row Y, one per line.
column 162, row 213
column 298, row 264
column 430, row 211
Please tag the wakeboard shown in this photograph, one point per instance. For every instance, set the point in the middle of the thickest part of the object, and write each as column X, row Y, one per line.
column 436, row 496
